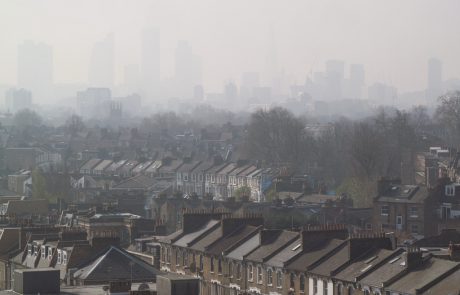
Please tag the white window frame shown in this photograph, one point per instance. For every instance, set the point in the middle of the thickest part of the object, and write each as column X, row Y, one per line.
column 250, row 273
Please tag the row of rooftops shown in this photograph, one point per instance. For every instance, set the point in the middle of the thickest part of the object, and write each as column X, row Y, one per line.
column 98, row 166
column 327, row 252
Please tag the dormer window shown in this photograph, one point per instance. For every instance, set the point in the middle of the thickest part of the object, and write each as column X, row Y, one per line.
column 59, row 260
column 29, row 249
column 43, row 252
column 64, row 257
column 450, row 190
column 50, row 253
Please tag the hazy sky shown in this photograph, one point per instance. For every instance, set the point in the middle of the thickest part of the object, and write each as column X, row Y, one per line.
column 393, row 38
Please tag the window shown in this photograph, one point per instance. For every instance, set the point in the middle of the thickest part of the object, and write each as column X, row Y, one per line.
column 325, row 287
column 238, row 271
column 64, row 257
column 185, row 177
column 230, row 269
column 59, row 260
column 201, row 262
column 50, row 253
column 200, row 177
column 339, row 289
column 385, row 210
column 185, row 259
column 279, row 279
column 292, row 280
column 413, row 211
column 250, row 273
column 260, row 275
column 29, row 249
column 315, row 286
column 269, row 277
column 350, row 290
column 168, row 255
column 450, row 190
column 177, row 257
column 366, row 292
column 219, row 266
column 43, row 252
column 414, row 228
column 302, row 284
column 212, row 264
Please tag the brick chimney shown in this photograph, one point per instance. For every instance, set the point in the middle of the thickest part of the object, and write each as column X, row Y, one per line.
column 232, row 222
column 193, row 220
column 318, row 234
column 413, row 258
column 454, row 251
column 361, row 243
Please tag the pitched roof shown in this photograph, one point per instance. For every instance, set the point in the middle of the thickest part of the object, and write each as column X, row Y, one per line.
column 227, row 241
column 188, row 238
column 136, row 182
column 422, row 275
column 384, row 272
column 26, row 207
column 448, row 285
column 273, row 243
column 310, row 256
column 333, row 261
column 116, row 264
column 287, row 253
column 90, row 164
column 246, row 247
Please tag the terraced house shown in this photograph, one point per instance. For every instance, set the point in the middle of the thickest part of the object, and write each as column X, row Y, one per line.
column 234, row 255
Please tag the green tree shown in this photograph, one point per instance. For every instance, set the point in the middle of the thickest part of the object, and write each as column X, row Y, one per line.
column 242, row 193
column 38, row 185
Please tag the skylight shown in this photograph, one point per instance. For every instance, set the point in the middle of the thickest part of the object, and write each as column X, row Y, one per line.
column 296, row 247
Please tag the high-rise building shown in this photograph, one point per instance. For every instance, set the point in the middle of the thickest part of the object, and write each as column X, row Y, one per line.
column 150, row 63
column 102, row 63
column 335, row 71
column 91, row 101
column 187, row 70
column 17, row 99
column 434, row 87
column 35, row 69
column 249, row 82
column 356, row 82
column 131, row 78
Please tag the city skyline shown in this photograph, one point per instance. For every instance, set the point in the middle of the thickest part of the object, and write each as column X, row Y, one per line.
column 301, row 41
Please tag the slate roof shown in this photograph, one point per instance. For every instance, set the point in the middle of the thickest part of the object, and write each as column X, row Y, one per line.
column 246, row 247
column 276, row 241
column 136, row 182
column 448, row 286
column 172, row 167
column 384, row 272
column 115, row 166
column 188, row 167
column 103, row 165
column 26, row 207
column 203, row 167
column 359, row 267
column 90, row 164
column 212, row 236
column 332, row 262
column 188, row 238
column 421, row 276
column 302, row 262
column 142, row 166
column 287, row 253
column 227, row 241
column 116, row 264
column 405, row 194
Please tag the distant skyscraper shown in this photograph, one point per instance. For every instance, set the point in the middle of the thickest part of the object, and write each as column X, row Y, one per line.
column 131, row 78
column 91, row 101
column 150, row 66
column 434, row 87
column 249, row 82
column 382, row 94
column 17, row 99
column 187, row 70
column 35, row 69
column 335, row 71
column 101, row 67
column 230, row 93
column 356, row 81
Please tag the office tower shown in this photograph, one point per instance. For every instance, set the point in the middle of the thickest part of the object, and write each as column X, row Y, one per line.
column 187, row 70
column 356, row 81
column 101, row 67
column 91, row 101
column 335, row 71
column 150, row 63
column 230, row 93
column 17, row 99
column 35, row 69
column 382, row 94
column 434, row 87
column 249, row 82
column 131, row 78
